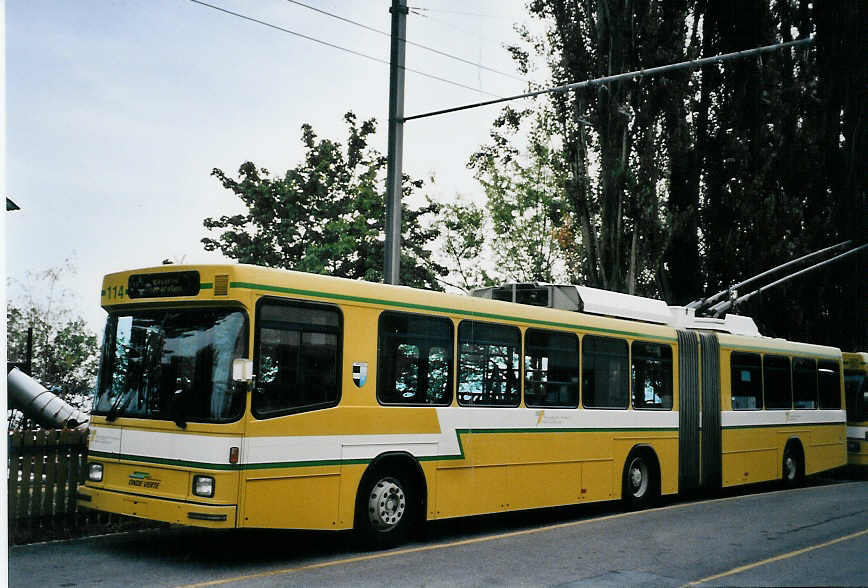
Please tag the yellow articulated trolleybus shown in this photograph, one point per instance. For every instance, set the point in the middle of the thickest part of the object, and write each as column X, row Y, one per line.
column 239, row 396
column 856, row 386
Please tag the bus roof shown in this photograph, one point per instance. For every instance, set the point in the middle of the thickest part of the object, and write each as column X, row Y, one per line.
column 242, row 282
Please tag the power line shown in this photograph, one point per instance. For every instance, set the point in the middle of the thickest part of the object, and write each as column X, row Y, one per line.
column 332, row 45
column 462, row 13
column 448, row 24
column 425, row 47
column 624, row 76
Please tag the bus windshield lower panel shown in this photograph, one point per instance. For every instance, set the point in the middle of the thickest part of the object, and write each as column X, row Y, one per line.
column 172, row 365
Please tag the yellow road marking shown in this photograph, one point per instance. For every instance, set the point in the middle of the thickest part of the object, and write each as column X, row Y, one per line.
column 422, row 548
column 778, row 558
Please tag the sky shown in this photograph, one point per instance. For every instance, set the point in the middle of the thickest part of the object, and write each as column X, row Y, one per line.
column 118, row 110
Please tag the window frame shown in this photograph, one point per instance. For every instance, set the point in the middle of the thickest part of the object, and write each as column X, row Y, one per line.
column 671, row 376
column 627, row 377
column 519, row 353
column 816, row 384
column 450, row 358
column 789, row 381
column 856, row 396
column 838, row 371
column 578, row 368
column 732, row 395
column 297, row 303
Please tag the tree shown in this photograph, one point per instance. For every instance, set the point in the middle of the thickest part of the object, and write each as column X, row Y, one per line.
column 783, row 139
column 65, row 351
column 524, row 201
column 462, row 227
column 628, row 217
column 326, row 215
column 682, row 184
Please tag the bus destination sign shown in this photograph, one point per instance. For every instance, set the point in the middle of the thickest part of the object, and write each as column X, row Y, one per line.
column 163, row 285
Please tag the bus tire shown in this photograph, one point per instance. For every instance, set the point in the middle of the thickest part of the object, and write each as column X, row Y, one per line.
column 640, row 480
column 385, row 509
column 793, row 466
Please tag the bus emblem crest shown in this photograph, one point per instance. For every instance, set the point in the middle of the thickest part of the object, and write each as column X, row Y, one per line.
column 360, row 373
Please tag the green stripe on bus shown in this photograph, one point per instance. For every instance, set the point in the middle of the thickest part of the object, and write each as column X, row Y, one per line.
column 164, row 461
column 333, row 462
column 781, row 350
column 841, row 424
column 414, row 306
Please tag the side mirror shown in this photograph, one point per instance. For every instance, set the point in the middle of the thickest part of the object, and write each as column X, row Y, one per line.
column 242, row 369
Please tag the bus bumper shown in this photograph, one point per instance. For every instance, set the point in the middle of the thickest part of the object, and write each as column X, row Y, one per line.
column 157, row 509
column 857, row 451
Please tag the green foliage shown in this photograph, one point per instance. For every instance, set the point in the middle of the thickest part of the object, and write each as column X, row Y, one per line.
column 462, row 227
column 326, row 215
column 524, row 198
column 65, row 351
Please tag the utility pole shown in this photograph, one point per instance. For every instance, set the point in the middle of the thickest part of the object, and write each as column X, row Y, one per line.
column 392, row 269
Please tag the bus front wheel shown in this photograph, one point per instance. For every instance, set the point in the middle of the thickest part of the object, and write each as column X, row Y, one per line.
column 385, row 509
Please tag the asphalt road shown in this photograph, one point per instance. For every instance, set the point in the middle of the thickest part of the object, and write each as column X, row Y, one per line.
column 811, row 536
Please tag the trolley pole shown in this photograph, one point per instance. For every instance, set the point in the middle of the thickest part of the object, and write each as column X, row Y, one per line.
column 392, row 269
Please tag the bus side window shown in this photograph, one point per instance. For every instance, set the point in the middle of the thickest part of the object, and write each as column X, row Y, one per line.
column 652, row 375
column 746, row 381
column 605, row 372
column 829, row 374
column 297, row 357
column 778, row 385
column 804, row 383
column 414, row 359
column 488, row 364
column 551, row 369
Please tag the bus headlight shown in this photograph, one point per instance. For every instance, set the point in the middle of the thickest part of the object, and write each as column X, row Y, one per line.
column 203, row 486
column 94, row 472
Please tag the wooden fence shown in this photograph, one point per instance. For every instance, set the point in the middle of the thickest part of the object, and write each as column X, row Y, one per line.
column 45, row 468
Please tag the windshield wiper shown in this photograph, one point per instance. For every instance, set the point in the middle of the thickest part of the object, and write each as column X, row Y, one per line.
column 176, row 406
column 118, row 407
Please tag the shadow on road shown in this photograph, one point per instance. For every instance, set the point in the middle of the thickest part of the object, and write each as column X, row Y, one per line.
column 242, row 550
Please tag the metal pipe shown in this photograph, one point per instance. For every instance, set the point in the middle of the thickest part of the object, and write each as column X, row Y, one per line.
column 42, row 405
column 394, row 173
column 721, row 307
column 625, row 76
column 700, row 305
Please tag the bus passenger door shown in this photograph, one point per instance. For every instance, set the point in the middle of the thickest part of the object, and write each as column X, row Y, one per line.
column 688, row 411
column 699, row 457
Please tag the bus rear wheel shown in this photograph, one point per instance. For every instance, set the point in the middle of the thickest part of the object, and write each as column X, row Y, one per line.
column 639, row 482
column 385, row 509
column 793, row 469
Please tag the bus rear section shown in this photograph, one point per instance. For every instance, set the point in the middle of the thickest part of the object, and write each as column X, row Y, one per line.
column 782, row 412
column 167, row 425
column 856, row 385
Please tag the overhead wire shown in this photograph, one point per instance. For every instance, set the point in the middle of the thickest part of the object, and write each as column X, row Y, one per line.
column 475, row 35
column 407, row 41
column 638, row 74
column 346, row 49
column 460, row 12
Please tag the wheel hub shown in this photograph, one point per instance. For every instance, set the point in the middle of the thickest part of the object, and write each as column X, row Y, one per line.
column 790, row 464
column 386, row 504
column 638, row 478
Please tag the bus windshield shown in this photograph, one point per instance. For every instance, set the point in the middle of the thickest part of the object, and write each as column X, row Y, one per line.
column 857, row 395
column 172, row 365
